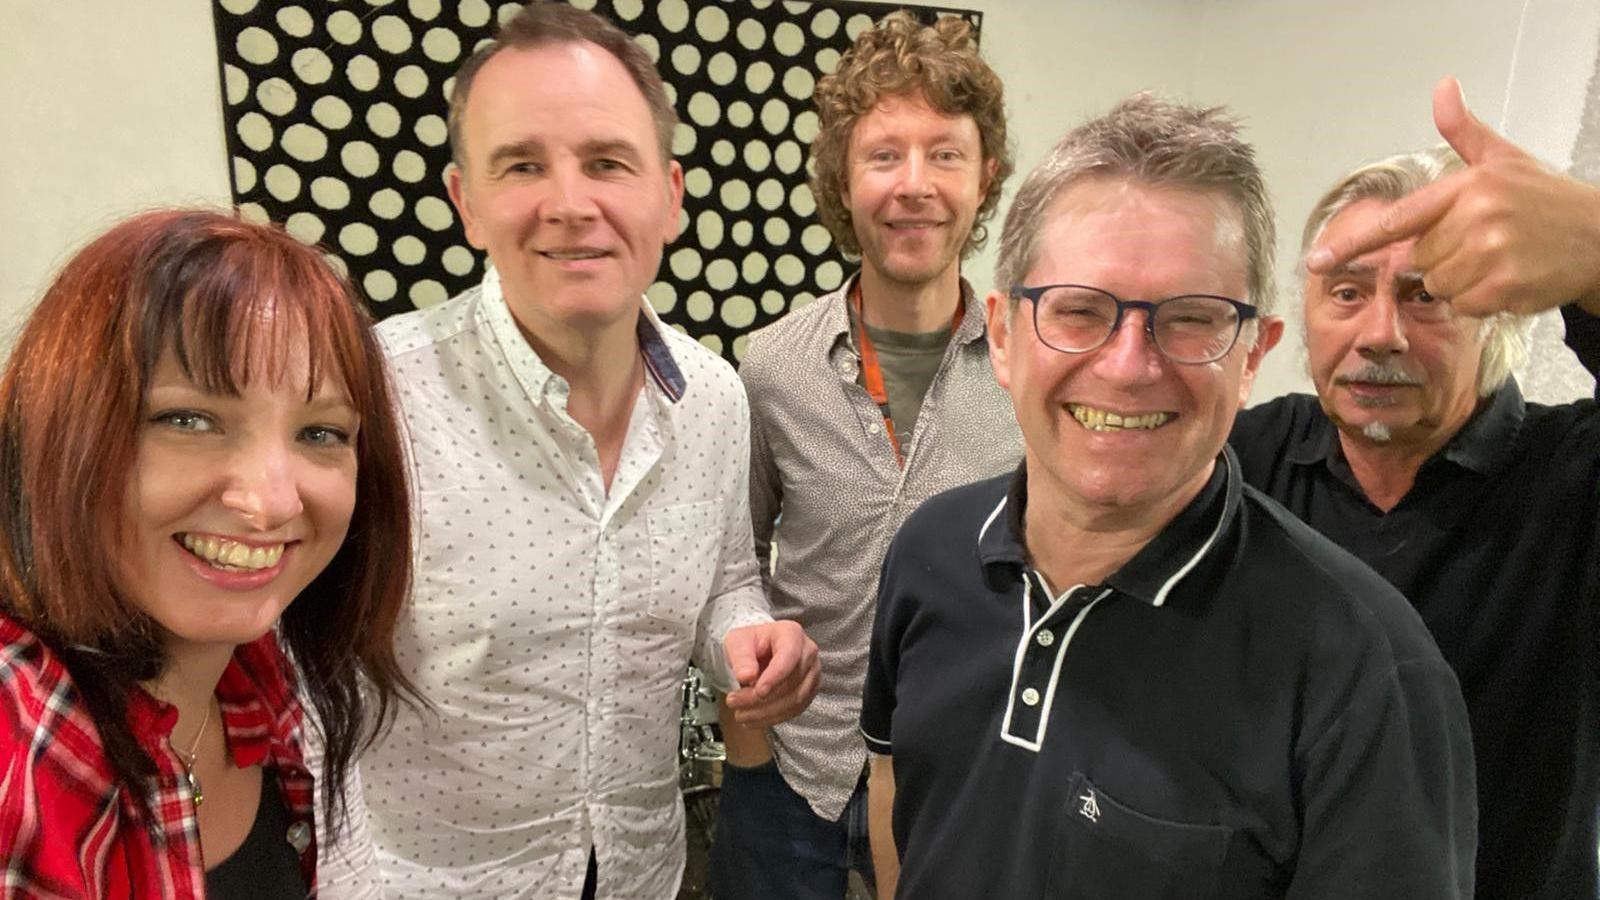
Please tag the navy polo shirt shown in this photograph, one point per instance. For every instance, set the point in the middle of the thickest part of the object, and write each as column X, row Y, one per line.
column 1243, row 710
column 1497, row 545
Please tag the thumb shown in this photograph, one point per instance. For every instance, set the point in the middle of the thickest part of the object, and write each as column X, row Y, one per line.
column 740, row 647
column 1475, row 141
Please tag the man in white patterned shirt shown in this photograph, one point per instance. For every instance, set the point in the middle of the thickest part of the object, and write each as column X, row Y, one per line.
column 584, row 503
column 864, row 404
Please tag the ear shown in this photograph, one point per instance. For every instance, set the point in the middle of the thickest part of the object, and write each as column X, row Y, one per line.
column 674, row 201
column 455, row 183
column 985, row 183
column 998, row 316
column 1269, row 331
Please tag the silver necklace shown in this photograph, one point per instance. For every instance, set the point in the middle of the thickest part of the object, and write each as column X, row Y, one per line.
column 188, row 760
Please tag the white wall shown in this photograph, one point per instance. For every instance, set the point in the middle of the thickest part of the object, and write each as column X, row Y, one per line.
column 114, row 106
column 1327, row 86
column 107, row 108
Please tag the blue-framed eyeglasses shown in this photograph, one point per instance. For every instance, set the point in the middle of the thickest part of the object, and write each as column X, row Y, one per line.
column 1191, row 329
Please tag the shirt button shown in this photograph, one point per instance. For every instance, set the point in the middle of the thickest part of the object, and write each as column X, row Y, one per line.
column 847, row 370
column 874, row 428
column 1046, row 638
column 299, row 836
column 1030, row 697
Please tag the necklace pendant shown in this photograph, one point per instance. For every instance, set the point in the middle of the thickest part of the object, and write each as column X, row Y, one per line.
column 194, row 788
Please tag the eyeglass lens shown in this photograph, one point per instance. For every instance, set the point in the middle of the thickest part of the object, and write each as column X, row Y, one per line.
column 1187, row 329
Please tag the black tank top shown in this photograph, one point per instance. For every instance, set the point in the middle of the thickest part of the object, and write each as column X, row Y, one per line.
column 266, row 866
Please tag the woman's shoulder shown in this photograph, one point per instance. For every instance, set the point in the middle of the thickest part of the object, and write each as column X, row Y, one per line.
column 36, row 690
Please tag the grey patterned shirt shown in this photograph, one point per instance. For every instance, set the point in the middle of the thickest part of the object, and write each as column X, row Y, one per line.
column 821, row 460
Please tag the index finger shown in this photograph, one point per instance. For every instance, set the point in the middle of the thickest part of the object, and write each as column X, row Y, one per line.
column 1410, row 216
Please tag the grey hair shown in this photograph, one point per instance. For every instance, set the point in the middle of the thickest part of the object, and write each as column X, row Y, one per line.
column 1149, row 140
column 1504, row 335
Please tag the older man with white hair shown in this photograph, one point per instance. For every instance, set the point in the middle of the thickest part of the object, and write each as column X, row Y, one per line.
column 1420, row 456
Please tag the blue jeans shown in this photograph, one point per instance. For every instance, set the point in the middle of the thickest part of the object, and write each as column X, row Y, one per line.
column 770, row 845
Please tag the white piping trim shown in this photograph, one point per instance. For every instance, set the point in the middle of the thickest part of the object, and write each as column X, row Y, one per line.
column 1029, row 629
column 1222, row 519
column 1061, row 655
column 875, row 742
column 989, row 521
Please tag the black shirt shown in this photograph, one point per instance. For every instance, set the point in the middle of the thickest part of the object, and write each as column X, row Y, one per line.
column 1243, row 710
column 266, row 865
column 1498, row 547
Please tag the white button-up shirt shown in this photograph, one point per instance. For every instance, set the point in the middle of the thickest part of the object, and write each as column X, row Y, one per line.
column 552, row 621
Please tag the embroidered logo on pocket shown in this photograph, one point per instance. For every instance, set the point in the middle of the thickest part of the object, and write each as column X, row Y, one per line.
column 1091, row 808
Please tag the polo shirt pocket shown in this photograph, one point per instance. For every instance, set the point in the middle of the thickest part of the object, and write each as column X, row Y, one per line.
column 685, row 544
column 1109, row 849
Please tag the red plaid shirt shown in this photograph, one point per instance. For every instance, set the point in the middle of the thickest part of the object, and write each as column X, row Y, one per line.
column 68, row 830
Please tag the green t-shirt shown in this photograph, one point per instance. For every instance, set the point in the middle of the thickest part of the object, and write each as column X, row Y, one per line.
column 909, row 361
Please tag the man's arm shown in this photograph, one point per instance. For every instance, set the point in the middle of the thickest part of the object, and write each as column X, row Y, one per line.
column 747, row 746
column 1583, row 336
column 1390, row 800
column 880, row 825
column 1505, row 234
column 769, row 670
column 766, row 487
column 347, row 860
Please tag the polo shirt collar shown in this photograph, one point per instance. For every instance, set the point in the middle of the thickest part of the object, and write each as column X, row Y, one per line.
column 1486, row 442
column 536, row 376
column 1160, row 565
column 838, row 317
column 1489, row 437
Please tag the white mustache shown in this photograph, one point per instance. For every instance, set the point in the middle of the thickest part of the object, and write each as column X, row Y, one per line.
column 1379, row 373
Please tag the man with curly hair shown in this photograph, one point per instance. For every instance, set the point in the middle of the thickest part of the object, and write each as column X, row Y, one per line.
column 864, row 404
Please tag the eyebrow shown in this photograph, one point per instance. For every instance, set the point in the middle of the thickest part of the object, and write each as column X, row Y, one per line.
column 515, row 150
column 534, row 147
column 614, row 147
column 1351, row 269
column 328, row 400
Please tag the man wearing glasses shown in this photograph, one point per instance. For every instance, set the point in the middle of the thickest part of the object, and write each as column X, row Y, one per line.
column 1119, row 672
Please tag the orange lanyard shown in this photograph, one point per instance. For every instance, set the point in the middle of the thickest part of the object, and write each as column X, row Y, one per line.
column 872, row 373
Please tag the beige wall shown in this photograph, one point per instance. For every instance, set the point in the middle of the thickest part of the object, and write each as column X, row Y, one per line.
column 109, row 107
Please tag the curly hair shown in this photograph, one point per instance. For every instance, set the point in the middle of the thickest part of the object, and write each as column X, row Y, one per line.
column 901, row 56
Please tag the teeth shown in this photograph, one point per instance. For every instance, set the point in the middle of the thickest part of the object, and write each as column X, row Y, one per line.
column 574, row 254
column 231, row 555
column 1101, row 420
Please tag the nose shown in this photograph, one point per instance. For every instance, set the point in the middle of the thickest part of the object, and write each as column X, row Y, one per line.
column 913, row 183
column 1382, row 329
column 1129, row 356
column 262, row 487
column 569, row 201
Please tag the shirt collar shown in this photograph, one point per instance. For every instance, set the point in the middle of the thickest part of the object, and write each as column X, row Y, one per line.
column 1481, row 445
column 974, row 318
column 658, row 359
column 1491, row 434
column 253, row 694
column 1161, row 564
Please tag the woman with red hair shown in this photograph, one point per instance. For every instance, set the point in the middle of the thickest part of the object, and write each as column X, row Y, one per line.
column 201, row 480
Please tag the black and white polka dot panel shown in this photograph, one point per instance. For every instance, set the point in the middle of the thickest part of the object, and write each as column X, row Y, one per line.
column 335, row 118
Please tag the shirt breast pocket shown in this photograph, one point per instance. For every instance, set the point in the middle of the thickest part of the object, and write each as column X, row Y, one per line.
column 685, row 553
column 1108, row 849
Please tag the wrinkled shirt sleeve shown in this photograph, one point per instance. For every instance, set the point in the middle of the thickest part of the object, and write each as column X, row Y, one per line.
column 737, row 598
